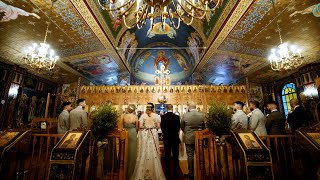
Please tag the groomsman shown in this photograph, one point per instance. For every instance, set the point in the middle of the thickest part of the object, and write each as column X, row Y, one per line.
column 275, row 120
column 191, row 121
column 257, row 121
column 170, row 126
column 63, row 120
column 239, row 118
column 78, row 117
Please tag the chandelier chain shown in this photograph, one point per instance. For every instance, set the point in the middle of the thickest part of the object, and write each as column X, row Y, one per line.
column 183, row 10
column 279, row 31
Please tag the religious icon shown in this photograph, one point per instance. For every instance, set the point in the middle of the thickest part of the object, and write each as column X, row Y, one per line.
column 71, row 140
column 32, row 108
column 156, row 80
column 161, row 58
column 315, row 137
column 6, row 137
column 249, row 141
column 180, row 60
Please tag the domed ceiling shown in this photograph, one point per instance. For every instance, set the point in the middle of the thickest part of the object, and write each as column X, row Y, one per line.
column 144, row 49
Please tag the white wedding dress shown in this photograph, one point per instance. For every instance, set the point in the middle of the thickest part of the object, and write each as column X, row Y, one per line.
column 148, row 164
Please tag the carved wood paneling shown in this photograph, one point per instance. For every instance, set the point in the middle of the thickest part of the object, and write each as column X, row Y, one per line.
column 177, row 95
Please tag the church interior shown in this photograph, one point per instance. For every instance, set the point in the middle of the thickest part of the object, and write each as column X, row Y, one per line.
column 110, row 59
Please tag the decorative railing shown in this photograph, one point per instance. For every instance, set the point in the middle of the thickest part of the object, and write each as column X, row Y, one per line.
column 42, row 144
column 213, row 159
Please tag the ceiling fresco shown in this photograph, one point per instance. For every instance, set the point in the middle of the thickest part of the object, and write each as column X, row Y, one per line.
column 150, row 60
column 225, row 69
column 212, row 18
column 185, row 40
column 256, row 34
column 93, row 43
column 100, row 68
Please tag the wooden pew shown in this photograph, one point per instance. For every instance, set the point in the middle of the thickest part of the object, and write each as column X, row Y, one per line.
column 42, row 145
column 205, row 155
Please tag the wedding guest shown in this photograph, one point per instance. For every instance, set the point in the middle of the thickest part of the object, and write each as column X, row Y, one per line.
column 176, row 112
column 191, row 122
column 130, row 123
column 257, row 121
column 239, row 118
column 170, row 126
column 275, row 120
column 78, row 117
column 63, row 120
column 298, row 117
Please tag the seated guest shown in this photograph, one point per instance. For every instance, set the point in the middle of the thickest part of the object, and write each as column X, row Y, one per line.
column 257, row 121
column 63, row 120
column 298, row 117
column 275, row 120
column 239, row 118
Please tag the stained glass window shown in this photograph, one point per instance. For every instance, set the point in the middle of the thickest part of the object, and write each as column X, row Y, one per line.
column 288, row 92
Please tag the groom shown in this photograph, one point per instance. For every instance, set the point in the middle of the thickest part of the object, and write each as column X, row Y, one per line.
column 170, row 126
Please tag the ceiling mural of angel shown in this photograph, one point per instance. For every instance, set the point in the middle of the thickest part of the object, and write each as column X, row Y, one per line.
column 9, row 13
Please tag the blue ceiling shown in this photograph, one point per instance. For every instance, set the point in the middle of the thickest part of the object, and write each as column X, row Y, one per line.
column 180, row 39
column 144, row 66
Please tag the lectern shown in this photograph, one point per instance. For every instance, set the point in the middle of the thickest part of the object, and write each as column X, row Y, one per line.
column 68, row 157
column 13, row 148
column 252, row 157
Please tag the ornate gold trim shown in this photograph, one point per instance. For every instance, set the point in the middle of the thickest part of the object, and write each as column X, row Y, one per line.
column 227, row 10
column 232, row 21
column 93, row 24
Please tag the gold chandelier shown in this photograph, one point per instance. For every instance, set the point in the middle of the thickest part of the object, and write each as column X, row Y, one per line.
column 183, row 10
column 285, row 58
column 41, row 57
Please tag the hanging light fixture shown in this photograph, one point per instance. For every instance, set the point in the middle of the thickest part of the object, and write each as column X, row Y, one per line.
column 183, row 10
column 285, row 57
column 41, row 56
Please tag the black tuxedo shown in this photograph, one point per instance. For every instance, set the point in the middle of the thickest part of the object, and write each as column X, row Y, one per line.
column 276, row 123
column 170, row 126
column 297, row 118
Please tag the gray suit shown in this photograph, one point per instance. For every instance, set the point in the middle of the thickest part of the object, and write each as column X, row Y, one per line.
column 63, row 122
column 191, row 122
column 78, row 118
column 257, row 122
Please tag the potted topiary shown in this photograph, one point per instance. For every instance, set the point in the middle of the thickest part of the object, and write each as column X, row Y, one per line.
column 219, row 118
column 219, row 123
column 104, row 120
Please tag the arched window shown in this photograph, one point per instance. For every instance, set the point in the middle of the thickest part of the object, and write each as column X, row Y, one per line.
column 288, row 92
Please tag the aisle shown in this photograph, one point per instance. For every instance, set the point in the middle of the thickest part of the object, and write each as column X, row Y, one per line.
column 183, row 169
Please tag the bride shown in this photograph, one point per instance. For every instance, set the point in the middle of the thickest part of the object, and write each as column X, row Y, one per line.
column 148, row 164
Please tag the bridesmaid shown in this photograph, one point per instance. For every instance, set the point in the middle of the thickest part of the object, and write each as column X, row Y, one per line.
column 130, row 123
